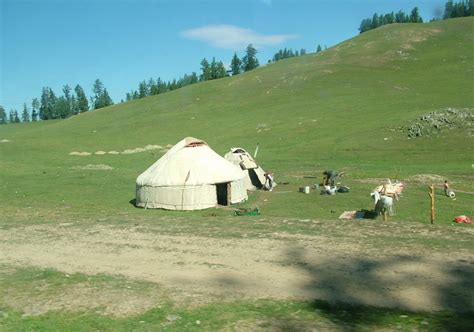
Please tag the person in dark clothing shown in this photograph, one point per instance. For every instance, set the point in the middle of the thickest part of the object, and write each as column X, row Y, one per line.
column 330, row 177
column 269, row 181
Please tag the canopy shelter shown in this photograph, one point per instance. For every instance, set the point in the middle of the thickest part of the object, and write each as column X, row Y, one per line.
column 190, row 176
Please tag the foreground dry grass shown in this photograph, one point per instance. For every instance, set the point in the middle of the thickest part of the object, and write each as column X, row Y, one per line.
column 393, row 265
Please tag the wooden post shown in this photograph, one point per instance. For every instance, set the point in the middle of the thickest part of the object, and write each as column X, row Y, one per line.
column 432, row 196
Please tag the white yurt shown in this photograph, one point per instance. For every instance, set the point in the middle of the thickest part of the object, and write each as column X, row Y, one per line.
column 254, row 174
column 190, row 176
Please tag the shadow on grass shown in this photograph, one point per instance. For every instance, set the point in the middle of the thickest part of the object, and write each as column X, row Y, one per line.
column 368, row 214
column 366, row 291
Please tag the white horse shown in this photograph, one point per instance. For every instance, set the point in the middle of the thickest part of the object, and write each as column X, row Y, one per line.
column 383, row 203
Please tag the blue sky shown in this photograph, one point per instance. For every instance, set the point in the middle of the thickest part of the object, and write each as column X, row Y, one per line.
column 121, row 42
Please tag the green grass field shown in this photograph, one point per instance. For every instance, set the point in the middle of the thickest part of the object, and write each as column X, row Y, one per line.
column 338, row 109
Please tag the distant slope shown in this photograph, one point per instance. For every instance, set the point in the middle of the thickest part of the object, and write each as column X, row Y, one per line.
column 394, row 72
column 337, row 108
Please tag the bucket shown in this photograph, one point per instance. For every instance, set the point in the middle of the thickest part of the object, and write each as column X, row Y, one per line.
column 305, row 190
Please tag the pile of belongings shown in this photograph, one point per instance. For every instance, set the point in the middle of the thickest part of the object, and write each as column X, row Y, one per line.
column 390, row 189
column 332, row 190
column 254, row 211
column 462, row 219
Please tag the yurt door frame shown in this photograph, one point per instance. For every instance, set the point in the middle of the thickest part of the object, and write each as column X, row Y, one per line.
column 223, row 193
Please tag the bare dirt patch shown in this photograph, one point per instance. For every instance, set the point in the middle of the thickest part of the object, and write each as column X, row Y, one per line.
column 77, row 153
column 92, row 167
column 147, row 147
column 372, row 180
column 196, row 270
column 427, row 179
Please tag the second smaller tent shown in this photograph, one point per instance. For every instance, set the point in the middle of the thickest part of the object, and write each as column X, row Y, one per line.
column 254, row 174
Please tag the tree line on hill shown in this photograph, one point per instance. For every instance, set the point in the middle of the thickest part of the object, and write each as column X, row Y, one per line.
column 399, row 17
column 458, row 9
column 209, row 71
column 50, row 106
column 287, row 53
column 451, row 10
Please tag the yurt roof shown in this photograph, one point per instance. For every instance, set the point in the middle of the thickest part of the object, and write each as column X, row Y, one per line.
column 190, row 162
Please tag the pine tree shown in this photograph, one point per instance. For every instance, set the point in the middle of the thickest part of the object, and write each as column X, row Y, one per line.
column 415, row 16
column 152, row 87
column 375, row 21
column 82, row 102
column 3, row 116
column 107, row 100
column 365, row 25
column 74, row 108
column 194, row 78
column 47, row 104
column 319, row 49
column 448, row 10
column 61, row 108
column 65, row 103
column 400, row 17
column 161, row 85
column 250, row 61
column 14, row 118
column 206, row 70
column 25, row 116
column 101, row 97
column 220, row 70
column 213, row 69
column 142, row 89
column 235, row 64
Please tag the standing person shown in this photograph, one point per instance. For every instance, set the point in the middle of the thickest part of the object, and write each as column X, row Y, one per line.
column 269, row 180
column 446, row 187
column 330, row 177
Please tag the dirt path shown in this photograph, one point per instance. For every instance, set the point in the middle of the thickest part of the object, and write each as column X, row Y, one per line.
column 198, row 270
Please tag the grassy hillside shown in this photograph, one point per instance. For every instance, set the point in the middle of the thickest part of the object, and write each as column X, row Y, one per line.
column 335, row 109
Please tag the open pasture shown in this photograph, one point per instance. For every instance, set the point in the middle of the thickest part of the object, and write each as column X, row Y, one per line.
column 75, row 253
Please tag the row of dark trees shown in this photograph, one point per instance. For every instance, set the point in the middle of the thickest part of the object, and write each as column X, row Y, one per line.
column 400, row 17
column 451, row 10
column 12, row 116
column 70, row 103
column 50, row 106
column 287, row 53
column 458, row 9
column 209, row 71
column 153, row 87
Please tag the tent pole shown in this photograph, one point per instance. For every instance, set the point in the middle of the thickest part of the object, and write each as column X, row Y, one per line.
column 256, row 151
